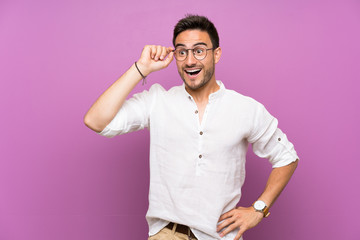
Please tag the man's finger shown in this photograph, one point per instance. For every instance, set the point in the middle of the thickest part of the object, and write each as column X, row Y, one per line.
column 152, row 51
column 158, row 53
column 228, row 229
column 239, row 234
column 169, row 59
column 163, row 53
column 224, row 224
column 225, row 215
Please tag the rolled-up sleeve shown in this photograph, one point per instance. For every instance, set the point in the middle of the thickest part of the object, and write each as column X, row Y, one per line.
column 268, row 141
column 134, row 114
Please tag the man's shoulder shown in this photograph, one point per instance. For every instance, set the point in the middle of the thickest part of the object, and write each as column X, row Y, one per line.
column 157, row 92
column 157, row 87
column 240, row 98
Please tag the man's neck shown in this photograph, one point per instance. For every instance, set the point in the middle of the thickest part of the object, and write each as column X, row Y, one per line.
column 201, row 95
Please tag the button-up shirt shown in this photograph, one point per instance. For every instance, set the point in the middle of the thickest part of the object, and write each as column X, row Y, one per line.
column 197, row 169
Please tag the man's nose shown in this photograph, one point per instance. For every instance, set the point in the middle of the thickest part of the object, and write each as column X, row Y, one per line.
column 190, row 60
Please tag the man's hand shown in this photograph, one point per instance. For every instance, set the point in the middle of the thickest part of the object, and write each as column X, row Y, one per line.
column 154, row 58
column 244, row 218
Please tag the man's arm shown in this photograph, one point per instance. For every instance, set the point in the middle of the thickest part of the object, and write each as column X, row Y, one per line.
column 247, row 218
column 153, row 58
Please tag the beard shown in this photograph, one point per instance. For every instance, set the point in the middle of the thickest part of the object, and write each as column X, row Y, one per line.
column 208, row 74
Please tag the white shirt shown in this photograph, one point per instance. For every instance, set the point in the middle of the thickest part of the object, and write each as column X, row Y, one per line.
column 197, row 170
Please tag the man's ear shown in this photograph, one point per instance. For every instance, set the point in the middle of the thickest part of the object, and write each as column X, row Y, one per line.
column 217, row 54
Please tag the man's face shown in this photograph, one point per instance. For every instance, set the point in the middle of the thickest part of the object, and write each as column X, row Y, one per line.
column 196, row 73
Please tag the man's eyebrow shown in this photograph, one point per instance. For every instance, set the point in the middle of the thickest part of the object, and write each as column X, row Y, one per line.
column 200, row 43
column 179, row 45
column 196, row 44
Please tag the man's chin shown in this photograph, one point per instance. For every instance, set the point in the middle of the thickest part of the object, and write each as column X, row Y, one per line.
column 192, row 85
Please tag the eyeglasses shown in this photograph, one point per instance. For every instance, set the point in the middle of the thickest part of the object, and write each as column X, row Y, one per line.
column 199, row 52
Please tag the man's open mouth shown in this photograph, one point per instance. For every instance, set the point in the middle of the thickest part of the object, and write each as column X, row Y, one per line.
column 192, row 72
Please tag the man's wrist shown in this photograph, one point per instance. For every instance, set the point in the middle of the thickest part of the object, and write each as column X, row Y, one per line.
column 261, row 207
column 142, row 68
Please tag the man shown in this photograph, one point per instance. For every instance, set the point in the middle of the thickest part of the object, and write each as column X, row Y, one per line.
column 199, row 136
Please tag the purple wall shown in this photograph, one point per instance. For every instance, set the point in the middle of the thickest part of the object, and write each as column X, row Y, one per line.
column 59, row 180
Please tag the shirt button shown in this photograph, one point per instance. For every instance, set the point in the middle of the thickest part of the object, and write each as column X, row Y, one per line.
column 200, row 156
column 279, row 139
column 201, row 133
column 196, row 111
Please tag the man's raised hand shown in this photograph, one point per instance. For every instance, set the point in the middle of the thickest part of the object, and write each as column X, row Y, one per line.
column 154, row 58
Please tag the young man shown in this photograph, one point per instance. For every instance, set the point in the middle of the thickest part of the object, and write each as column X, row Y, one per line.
column 199, row 136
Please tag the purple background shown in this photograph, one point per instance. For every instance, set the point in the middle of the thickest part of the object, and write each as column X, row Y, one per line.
column 59, row 180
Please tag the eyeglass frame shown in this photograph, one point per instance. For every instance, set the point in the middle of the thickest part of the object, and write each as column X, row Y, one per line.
column 187, row 50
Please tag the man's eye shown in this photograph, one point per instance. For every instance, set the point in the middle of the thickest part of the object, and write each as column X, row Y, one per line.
column 199, row 50
column 182, row 52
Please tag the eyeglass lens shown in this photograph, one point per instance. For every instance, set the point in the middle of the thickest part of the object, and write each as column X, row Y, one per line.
column 198, row 52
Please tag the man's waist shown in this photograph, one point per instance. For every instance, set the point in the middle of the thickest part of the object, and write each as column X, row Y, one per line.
column 180, row 228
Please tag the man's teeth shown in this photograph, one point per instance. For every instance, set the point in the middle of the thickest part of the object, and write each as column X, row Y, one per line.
column 193, row 71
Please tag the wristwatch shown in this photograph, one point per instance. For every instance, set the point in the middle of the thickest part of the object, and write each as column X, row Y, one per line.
column 260, row 206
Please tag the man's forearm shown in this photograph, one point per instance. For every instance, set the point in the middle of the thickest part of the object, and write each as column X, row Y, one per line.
column 245, row 218
column 278, row 179
column 109, row 103
column 153, row 58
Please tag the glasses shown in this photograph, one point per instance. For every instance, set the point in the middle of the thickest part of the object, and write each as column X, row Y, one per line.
column 199, row 52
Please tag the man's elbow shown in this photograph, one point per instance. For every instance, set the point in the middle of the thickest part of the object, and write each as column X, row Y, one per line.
column 90, row 123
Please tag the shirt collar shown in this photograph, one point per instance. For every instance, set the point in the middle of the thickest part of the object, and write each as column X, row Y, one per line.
column 213, row 95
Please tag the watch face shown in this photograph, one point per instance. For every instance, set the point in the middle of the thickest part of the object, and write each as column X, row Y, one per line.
column 259, row 205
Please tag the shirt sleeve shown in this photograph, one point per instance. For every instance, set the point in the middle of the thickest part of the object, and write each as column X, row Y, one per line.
column 268, row 141
column 134, row 114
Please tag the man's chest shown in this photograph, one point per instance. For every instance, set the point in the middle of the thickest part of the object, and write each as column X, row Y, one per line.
column 212, row 125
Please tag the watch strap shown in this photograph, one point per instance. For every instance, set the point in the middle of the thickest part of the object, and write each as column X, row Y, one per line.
column 266, row 211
